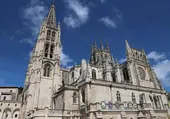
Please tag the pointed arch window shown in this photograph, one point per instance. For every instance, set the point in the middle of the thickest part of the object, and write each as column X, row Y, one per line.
column 80, row 71
column 4, row 98
column 48, row 35
column 93, row 74
column 75, row 97
column 126, row 75
column 46, row 50
column 53, row 36
column 133, row 98
column 118, row 96
column 51, row 50
column 72, row 74
column 113, row 77
column 83, row 95
column 47, row 70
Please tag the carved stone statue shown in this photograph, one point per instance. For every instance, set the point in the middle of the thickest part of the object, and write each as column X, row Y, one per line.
column 83, row 70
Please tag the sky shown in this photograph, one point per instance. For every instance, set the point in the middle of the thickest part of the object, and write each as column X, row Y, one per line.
column 145, row 24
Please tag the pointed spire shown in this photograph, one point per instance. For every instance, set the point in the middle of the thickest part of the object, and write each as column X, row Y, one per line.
column 107, row 46
column 128, row 50
column 127, row 44
column 113, row 60
column 51, row 17
column 95, row 44
column 117, row 63
column 92, row 49
column 102, row 47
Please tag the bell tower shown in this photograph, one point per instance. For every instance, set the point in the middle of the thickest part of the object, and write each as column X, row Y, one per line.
column 139, row 70
column 43, row 75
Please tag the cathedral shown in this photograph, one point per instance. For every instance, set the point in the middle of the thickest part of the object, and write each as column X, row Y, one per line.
column 99, row 88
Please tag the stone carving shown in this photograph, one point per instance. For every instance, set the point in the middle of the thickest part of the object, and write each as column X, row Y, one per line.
column 83, row 74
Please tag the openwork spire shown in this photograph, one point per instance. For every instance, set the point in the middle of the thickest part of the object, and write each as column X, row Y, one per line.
column 51, row 18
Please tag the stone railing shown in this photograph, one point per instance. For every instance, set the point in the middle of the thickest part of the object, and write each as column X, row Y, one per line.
column 118, row 107
column 56, row 113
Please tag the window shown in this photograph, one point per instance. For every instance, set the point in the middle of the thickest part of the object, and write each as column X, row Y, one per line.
column 133, row 98
column 16, row 115
column 126, row 75
column 4, row 98
column 83, row 95
column 10, row 91
column 113, row 77
column 93, row 74
column 47, row 70
column 48, row 35
column 72, row 75
column 155, row 101
column 53, row 36
column 51, row 50
column 46, row 50
column 118, row 96
column 75, row 97
column 80, row 71
column 6, row 115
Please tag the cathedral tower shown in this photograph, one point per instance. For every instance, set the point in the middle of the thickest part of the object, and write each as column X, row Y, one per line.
column 43, row 74
column 139, row 69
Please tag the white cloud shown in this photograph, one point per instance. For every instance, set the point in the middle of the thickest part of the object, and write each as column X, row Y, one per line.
column 102, row 1
column 162, row 70
column 108, row 22
column 156, row 56
column 79, row 13
column 161, row 67
column 27, row 40
column 12, row 38
column 33, row 16
column 114, row 21
column 118, row 14
column 122, row 60
column 65, row 59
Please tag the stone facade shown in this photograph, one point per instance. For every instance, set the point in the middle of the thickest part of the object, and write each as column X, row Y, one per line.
column 10, row 102
column 100, row 88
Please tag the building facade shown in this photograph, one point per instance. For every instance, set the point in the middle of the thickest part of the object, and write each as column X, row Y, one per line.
column 10, row 102
column 98, row 89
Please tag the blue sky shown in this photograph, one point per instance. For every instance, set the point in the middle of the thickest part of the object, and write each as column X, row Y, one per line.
column 145, row 24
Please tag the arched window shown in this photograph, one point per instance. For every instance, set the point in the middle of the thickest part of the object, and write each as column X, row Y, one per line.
column 72, row 74
column 83, row 95
column 48, row 35
column 46, row 51
column 51, row 50
column 4, row 98
column 113, row 77
column 75, row 97
column 47, row 70
column 118, row 96
column 126, row 75
column 93, row 74
column 80, row 71
column 53, row 36
column 133, row 98
column 155, row 101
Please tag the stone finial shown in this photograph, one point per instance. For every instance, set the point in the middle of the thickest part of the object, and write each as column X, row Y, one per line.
column 102, row 46
column 107, row 47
